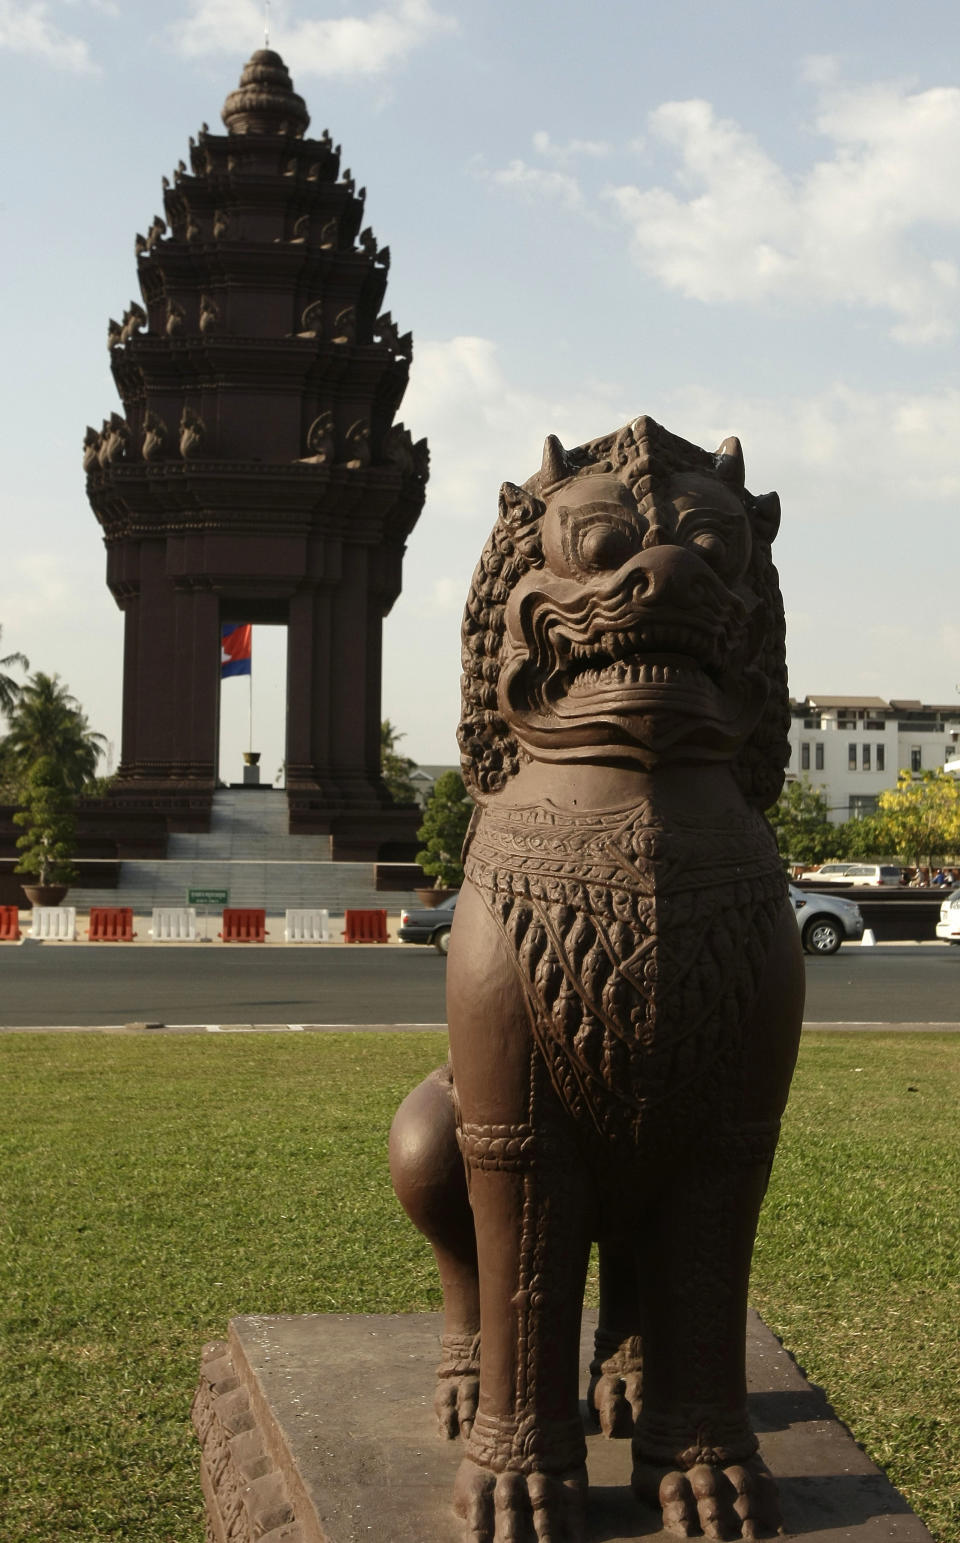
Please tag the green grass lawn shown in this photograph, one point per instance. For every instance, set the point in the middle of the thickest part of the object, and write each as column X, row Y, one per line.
column 154, row 1188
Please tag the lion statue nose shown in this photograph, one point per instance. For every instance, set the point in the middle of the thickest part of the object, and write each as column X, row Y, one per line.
column 670, row 576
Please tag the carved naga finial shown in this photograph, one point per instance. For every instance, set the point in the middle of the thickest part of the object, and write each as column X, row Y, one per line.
column 193, row 432
column 209, row 313
column 134, row 317
column 154, row 437
column 91, row 449
column 176, row 316
column 320, row 440
column 357, row 440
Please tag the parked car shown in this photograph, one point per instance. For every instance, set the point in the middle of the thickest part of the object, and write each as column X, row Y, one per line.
column 829, row 873
column 948, row 927
column 855, row 873
column 428, row 924
column 826, row 921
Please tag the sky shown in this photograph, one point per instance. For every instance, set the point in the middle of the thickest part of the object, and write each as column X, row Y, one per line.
column 740, row 219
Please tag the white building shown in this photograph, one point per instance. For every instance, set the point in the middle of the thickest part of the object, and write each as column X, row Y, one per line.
column 852, row 748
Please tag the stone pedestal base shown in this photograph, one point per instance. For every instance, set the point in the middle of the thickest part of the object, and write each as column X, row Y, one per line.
column 320, row 1429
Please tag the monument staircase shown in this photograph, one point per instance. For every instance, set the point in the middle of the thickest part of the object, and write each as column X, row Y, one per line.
column 249, row 852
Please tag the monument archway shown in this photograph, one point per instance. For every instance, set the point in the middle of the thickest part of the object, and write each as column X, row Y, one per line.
column 257, row 472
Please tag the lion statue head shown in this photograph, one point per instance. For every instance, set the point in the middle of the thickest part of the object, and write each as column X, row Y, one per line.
column 626, row 607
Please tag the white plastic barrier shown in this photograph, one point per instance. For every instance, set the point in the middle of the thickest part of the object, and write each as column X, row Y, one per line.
column 174, row 924
column 57, row 922
column 307, row 927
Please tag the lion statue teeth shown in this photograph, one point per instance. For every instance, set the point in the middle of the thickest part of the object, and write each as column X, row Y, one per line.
column 624, row 993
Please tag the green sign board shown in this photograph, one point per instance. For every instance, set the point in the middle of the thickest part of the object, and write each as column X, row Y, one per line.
column 207, row 896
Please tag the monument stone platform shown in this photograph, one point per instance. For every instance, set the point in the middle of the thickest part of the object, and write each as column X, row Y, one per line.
column 320, row 1429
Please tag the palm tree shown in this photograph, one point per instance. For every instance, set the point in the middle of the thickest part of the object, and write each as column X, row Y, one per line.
column 47, row 722
column 10, row 688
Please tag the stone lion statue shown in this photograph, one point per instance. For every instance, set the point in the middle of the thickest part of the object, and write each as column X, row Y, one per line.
column 625, row 989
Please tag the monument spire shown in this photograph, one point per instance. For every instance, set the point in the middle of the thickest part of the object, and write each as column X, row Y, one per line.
column 265, row 101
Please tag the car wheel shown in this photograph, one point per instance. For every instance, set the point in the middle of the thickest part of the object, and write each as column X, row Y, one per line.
column 822, row 935
column 441, row 940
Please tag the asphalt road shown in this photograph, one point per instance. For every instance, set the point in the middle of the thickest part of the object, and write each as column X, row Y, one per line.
column 52, row 986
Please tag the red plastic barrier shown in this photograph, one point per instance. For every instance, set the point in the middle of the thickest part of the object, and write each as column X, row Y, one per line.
column 110, row 924
column 9, row 923
column 365, row 927
column 244, row 925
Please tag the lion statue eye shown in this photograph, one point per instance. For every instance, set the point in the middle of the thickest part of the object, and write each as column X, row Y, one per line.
column 710, row 545
column 606, row 545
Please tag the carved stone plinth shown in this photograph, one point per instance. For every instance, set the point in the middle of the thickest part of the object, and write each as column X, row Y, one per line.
column 320, row 1429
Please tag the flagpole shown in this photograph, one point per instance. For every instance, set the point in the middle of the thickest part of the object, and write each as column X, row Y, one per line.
column 250, row 684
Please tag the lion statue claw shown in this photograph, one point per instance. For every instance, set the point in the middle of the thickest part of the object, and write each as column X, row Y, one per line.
column 624, row 990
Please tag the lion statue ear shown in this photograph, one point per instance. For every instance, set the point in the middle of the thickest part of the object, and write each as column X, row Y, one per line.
column 765, row 515
column 728, row 460
column 555, row 465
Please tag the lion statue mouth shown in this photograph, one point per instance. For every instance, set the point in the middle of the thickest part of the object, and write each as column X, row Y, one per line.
column 593, row 668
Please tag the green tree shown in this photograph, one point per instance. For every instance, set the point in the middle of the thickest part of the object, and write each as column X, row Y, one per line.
column 46, row 814
column 10, row 688
column 395, row 768
column 863, row 839
column 445, row 820
column 47, row 722
column 802, row 825
column 919, row 819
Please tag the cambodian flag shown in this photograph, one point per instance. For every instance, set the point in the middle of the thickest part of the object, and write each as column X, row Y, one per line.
column 236, row 645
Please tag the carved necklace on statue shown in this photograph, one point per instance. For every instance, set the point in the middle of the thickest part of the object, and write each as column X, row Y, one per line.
column 639, row 948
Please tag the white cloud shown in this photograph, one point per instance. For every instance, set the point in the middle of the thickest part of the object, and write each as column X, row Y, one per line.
column 881, row 456
column 28, row 29
column 872, row 223
column 485, row 428
column 554, row 183
column 544, row 145
column 539, row 182
column 342, row 46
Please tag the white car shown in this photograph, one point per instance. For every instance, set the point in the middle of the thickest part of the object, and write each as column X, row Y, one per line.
column 948, row 927
column 855, row 873
column 826, row 921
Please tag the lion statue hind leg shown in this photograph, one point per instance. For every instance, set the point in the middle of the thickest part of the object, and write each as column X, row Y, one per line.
column 429, row 1180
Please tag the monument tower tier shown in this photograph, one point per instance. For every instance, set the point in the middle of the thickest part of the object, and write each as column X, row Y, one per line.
column 257, row 473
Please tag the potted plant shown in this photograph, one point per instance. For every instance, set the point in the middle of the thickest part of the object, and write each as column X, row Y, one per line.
column 445, row 821
column 46, row 814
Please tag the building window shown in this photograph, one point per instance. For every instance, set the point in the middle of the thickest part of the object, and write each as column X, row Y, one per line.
column 916, row 758
column 861, row 804
column 818, row 756
column 881, row 757
column 866, row 757
column 851, row 757
column 805, row 756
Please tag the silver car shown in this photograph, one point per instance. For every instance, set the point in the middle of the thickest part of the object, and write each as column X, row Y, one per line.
column 826, row 921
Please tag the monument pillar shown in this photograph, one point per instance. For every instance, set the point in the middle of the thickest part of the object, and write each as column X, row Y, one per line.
column 256, row 473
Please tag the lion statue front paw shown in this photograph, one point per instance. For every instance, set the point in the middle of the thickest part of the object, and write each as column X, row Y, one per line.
column 739, row 1501
column 520, row 1507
